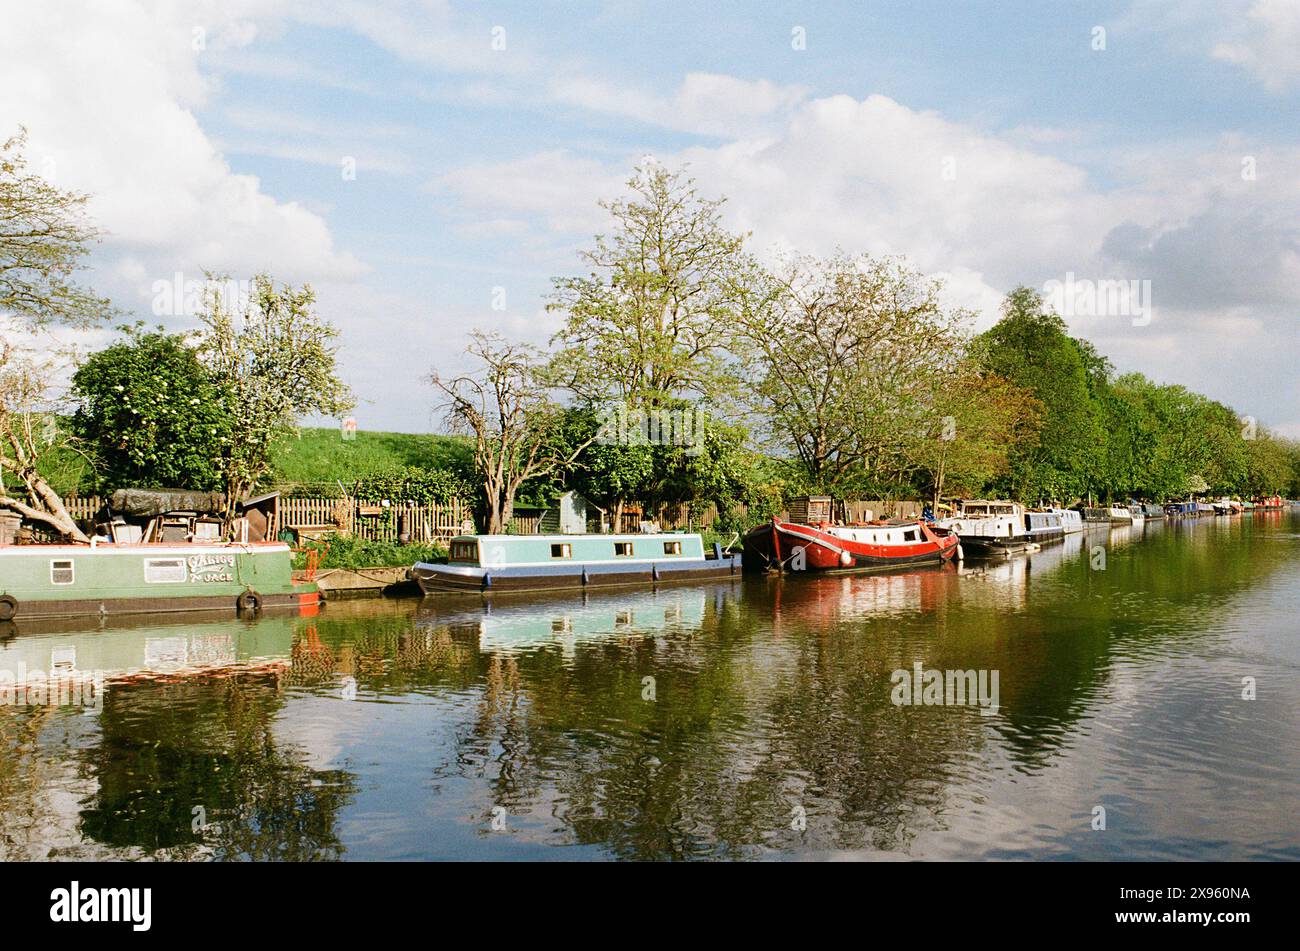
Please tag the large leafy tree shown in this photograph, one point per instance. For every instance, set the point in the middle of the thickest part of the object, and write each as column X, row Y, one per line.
column 44, row 236
column 151, row 414
column 275, row 360
column 651, row 319
column 846, row 361
column 1030, row 347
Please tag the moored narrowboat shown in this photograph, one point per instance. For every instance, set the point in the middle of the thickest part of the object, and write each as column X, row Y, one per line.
column 871, row 546
column 1071, row 519
column 1120, row 515
column 42, row 581
column 1043, row 527
column 480, row 564
column 989, row 527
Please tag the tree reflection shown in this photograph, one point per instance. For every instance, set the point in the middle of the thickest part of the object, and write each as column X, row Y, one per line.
column 193, row 766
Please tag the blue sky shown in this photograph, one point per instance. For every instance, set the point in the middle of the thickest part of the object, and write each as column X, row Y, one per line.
column 990, row 143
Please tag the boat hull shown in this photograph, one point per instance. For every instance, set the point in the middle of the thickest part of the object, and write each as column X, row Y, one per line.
column 788, row 546
column 436, row 579
column 983, row 546
column 59, row 581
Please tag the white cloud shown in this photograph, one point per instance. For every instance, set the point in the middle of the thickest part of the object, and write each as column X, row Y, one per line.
column 1260, row 36
column 556, row 190
column 1222, row 252
column 1268, row 43
column 705, row 103
column 106, row 91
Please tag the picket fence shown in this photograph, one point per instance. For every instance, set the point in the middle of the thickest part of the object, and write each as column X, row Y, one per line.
column 365, row 518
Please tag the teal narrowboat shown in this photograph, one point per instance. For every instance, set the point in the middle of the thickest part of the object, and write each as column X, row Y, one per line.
column 38, row 581
column 483, row 563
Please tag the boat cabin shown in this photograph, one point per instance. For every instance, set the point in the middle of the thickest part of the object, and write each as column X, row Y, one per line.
column 812, row 510
column 499, row 551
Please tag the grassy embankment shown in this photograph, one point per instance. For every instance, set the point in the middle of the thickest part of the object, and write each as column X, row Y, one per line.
column 319, row 459
column 316, row 461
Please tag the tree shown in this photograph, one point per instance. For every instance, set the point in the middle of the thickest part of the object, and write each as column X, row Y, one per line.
column 44, row 236
column 517, row 428
column 846, row 359
column 29, row 432
column 1030, row 347
column 983, row 419
column 274, row 359
column 652, row 318
column 151, row 414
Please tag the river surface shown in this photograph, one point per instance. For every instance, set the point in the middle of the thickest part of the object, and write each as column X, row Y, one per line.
column 1147, row 706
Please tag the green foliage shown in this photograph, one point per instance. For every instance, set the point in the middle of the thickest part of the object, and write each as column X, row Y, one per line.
column 349, row 551
column 1030, row 348
column 319, row 459
column 150, row 414
column 276, row 360
column 411, row 484
column 713, row 465
column 650, row 321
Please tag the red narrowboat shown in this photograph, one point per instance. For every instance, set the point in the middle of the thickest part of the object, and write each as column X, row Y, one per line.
column 873, row 546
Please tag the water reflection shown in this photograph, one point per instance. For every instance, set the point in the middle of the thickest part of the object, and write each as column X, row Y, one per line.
column 739, row 719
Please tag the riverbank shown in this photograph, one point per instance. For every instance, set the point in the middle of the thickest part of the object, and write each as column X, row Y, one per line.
column 344, row 584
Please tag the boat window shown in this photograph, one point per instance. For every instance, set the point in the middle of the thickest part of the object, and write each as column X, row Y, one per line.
column 672, row 548
column 909, row 536
column 623, row 549
column 62, row 572
column 463, row 551
column 561, row 551
column 164, row 570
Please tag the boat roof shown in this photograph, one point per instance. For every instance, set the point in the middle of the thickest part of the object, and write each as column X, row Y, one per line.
column 622, row 537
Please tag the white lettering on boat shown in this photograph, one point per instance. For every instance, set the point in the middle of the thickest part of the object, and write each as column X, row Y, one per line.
column 211, row 568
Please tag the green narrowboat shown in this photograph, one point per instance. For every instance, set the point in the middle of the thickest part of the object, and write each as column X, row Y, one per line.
column 42, row 581
column 486, row 563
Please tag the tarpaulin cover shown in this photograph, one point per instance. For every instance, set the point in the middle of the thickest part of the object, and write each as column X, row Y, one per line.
column 148, row 503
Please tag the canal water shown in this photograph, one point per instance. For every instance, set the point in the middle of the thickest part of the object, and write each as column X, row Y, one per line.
column 1146, row 706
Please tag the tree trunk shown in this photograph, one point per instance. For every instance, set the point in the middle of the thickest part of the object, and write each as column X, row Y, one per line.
column 59, row 519
column 46, row 505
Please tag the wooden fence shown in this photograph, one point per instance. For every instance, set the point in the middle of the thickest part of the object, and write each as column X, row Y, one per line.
column 369, row 519
column 373, row 520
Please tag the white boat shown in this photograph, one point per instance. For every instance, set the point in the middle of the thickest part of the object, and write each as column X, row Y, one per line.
column 1071, row 520
column 1121, row 514
column 986, row 527
column 1137, row 515
column 1042, row 527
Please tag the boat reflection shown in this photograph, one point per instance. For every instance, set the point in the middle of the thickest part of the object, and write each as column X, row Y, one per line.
column 528, row 623
column 149, row 646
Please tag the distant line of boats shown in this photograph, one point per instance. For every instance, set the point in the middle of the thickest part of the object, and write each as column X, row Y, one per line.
column 188, row 570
